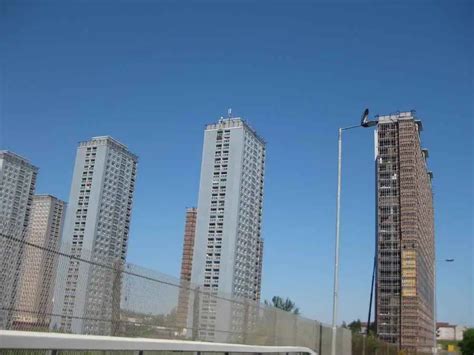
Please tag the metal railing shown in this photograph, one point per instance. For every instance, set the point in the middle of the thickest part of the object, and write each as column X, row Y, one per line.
column 18, row 341
column 370, row 345
column 96, row 293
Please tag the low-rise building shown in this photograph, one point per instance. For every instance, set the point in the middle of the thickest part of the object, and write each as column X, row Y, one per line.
column 446, row 331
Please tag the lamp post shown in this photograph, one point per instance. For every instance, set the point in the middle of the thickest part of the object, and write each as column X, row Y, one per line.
column 435, row 306
column 365, row 122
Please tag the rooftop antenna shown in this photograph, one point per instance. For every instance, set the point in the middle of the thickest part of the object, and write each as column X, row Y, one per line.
column 229, row 113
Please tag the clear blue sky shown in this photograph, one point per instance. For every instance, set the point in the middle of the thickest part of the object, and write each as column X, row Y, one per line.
column 151, row 74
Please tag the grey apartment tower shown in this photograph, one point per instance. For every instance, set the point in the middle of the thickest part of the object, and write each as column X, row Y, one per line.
column 405, row 235
column 228, row 246
column 17, row 186
column 96, row 230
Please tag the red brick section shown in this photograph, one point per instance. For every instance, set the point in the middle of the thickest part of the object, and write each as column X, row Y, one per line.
column 186, row 266
column 417, row 239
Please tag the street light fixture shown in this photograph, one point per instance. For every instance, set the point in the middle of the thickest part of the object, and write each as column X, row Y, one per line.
column 364, row 122
column 435, row 307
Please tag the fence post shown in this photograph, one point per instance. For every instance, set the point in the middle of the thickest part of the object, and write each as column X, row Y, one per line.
column 320, row 338
column 195, row 330
column 116, row 290
column 316, row 346
column 296, row 330
column 275, row 342
column 246, row 322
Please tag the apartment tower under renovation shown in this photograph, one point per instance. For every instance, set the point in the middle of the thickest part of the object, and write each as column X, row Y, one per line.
column 405, row 235
column 186, row 266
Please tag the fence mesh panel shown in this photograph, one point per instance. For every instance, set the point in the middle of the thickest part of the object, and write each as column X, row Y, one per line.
column 71, row 290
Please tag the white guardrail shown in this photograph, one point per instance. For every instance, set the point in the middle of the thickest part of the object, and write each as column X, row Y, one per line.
column 10, row 339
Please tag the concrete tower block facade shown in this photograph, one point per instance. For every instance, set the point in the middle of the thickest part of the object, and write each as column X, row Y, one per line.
column 17, row 187
column 96, row 229
column 228, row 246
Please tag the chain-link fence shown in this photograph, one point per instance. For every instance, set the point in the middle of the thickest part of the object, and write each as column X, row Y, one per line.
column 72, row 290
column 370, row 345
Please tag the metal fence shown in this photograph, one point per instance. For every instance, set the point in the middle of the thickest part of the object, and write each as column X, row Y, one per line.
column 370, row 345
column 38, row 343
column 72, row 290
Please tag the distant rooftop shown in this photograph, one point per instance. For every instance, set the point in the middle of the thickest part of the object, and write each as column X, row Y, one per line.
column 16, row 157
column 232, row 122
column 445, row 325
column 38, row 196
column 111, row 140
column 404, row 115
column 400, row 115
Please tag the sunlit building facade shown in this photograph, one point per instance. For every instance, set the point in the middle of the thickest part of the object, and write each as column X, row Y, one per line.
column 228, row 245
column 39, row 263
column 17, row 187
column 96, row 229
column 405, row 235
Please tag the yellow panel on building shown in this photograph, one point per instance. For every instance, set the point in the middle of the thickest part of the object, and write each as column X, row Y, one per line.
column 408, row 272
column 408, row 263
column 409, row 292
column 408, row 254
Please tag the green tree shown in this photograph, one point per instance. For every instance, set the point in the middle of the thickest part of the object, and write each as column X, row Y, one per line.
column 372, row 328
column 285, row 305
column 355, row 326
column 467, row 343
